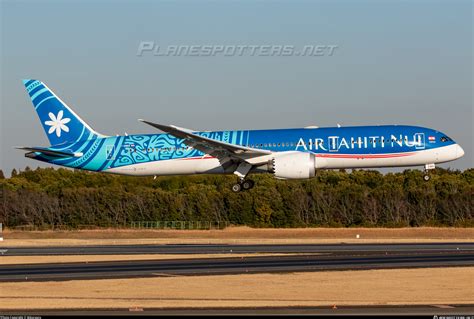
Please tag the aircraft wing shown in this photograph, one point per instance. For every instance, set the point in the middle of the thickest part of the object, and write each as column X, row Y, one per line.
column 51, row 152
column 208, row 145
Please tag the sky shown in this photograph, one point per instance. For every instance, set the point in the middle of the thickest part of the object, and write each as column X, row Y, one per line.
column 394, row 62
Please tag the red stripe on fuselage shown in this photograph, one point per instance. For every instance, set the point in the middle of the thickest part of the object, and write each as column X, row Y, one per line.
column 348, row 156
column 196, row 158
column 364, row 155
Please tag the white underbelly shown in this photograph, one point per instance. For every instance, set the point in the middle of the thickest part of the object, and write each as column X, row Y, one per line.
column 181, row 166
column 211, row 165
column 415, row 158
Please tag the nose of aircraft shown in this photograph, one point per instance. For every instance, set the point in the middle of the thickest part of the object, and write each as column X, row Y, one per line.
column 459, row 151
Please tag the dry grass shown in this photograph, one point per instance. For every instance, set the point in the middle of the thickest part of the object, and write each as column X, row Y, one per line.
column 368, row 287
column 238, row 235
column 17, row 260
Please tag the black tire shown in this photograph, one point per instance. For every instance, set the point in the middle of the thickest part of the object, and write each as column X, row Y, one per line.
column 252, row 183
column 246, row 185
column 236, row 188
column 426, row 177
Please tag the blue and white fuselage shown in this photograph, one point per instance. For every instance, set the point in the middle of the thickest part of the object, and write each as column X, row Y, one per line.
column 286, row 153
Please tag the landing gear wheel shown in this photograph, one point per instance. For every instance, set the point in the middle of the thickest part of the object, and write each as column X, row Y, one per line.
column 236, row 188
column 426, row 174
column 248, row 184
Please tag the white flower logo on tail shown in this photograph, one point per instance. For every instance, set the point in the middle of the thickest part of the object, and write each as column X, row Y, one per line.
column 57, row 123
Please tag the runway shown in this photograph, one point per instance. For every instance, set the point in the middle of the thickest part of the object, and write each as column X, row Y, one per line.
column 236, row 249
column 309, row 258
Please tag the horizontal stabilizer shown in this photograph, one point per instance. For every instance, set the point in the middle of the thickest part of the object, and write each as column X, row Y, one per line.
column 51, row 152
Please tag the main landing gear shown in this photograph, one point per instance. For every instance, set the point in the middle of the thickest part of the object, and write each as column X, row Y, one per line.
column 426, row 172
column 243, row 184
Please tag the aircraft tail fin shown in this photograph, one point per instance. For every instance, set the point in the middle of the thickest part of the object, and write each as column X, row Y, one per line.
column 60, row 123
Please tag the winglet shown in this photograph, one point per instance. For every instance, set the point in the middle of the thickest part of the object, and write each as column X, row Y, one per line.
column 165, row 128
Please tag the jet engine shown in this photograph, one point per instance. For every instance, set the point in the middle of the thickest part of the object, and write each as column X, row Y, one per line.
column 293, row 165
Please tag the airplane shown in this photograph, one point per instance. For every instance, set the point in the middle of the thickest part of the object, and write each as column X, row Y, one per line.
column 295, row 153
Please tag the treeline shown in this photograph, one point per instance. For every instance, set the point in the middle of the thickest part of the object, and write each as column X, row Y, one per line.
column 50, row 197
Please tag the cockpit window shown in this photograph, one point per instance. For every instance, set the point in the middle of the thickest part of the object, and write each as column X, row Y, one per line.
column 445, row 139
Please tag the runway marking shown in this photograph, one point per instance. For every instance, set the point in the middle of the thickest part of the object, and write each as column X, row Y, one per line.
column 159, row 274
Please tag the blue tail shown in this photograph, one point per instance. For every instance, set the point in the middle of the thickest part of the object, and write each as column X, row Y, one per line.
column 60, row 123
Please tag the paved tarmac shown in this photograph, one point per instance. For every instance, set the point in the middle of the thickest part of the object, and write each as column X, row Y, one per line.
column 310, row 258
column 236, row 249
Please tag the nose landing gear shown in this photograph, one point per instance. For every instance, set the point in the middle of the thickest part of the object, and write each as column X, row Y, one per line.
column 426, row 174
column 236, row 188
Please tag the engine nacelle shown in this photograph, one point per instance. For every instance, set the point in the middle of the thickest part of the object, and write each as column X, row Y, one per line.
column 294, row 165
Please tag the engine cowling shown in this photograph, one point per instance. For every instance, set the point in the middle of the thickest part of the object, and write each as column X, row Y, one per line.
column 294, row 165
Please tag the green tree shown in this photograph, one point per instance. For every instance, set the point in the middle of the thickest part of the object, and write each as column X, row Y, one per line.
column 49, row 197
